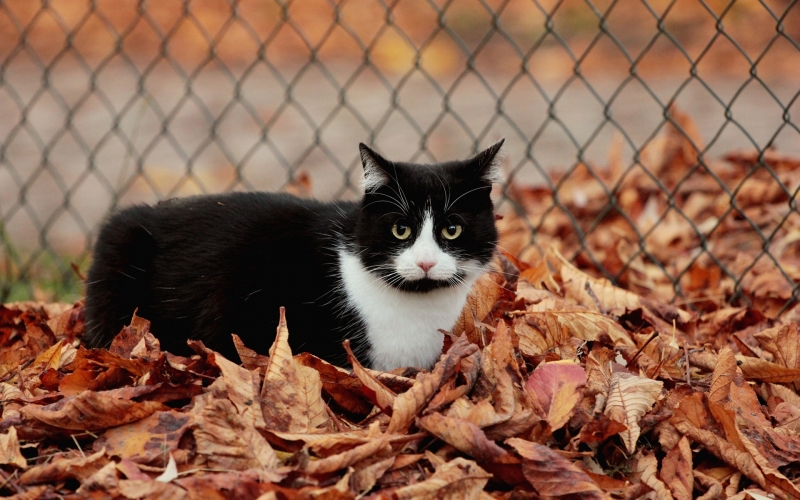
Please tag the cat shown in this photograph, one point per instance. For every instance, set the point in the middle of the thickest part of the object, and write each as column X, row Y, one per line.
column 387, row 272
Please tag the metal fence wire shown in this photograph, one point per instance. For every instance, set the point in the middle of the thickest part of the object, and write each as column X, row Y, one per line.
column 105, row 103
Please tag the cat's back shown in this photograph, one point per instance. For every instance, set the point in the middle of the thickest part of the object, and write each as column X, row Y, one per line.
column 188, row 262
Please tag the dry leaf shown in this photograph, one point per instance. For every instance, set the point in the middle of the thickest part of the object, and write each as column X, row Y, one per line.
column 558, row 389
column 676, row 470
column 464, row 436
column 553, row 475
column 646, row 467
column 9, row 449
column 722, row 377
column 411, row 402
column 456, row 479
column 291, row 397
column 629, row 398
column 227, row 440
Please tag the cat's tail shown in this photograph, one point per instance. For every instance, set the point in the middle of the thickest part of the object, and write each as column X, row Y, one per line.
column 118, row 281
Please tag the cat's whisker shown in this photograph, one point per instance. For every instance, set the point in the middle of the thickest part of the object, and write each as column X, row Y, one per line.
column 464, row 194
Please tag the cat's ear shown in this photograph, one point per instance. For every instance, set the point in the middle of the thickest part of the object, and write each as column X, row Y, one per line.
column 487, row 164
column 374, row 164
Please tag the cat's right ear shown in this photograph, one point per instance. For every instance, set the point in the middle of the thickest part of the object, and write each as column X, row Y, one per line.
column 374, row 164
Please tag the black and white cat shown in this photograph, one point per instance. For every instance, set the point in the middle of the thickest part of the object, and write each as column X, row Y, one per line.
column 387, row 272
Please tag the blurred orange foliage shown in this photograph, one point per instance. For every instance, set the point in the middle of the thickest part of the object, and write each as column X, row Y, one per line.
column 439, row 37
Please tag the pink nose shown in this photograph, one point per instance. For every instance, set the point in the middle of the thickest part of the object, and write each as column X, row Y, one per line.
column 426, row 266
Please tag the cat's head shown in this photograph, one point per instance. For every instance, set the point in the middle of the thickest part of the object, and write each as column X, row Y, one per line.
column 423, row 227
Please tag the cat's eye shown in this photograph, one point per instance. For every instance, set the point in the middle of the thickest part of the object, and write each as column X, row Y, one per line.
column 401, row 231
column 451, row 232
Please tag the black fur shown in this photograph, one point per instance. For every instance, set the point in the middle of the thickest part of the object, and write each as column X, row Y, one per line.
column 207, row 266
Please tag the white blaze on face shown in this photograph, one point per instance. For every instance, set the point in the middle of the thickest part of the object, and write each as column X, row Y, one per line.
column 425, row 258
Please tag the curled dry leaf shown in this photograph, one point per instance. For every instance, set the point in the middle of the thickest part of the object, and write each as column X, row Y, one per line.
column 559, row 326
column 139, row 489
column 676, row 470
column 646, row 467
column 91, row 411
column 241, row 387
column 148, row 440
column 407, row 405
column 373, row 389
column 456, row 479
column 9, row 449
column 553, row 475
column 684, row 421
column 782, row 342
column 766, row 371
column 713, row 488
column 349, row 457
column 227, row 440
column 557, row 387
column 479, row 304
column 62, row 468
column 464, row 436
column 723, row 376
column 291, row 397
column 629, row 398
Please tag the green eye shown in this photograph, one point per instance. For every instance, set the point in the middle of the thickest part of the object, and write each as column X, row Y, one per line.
column 451, row 232
column 401, row 231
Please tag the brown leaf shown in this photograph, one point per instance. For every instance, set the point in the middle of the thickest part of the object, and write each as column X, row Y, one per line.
column 372, row 388
column 130, row 336
column 600, row 428
column 251, row 360
column 553, row 475
column 782, row 342
column 339, row 384
column 629, row 398
column 148, row 489
column 148, row 441
column 585, row 325
column 479, row 304
column 365, row 478
column 646, row 467
column 722, row 377
column 347, row 458
column 9, row 449
column 408, row 404
column 600, row 295
column 456, row 479
column 765, row 371
column 558, row 389
column 227, row 440
column 712, row 486
column 291, row 397
column 676, row 470
column 91, row 411
column 62, row 468
column 721, row 448
column 241, row 387
column 775, row 481
column 464, row 436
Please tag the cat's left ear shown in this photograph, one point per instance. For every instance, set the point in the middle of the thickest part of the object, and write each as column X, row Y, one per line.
column 374, row 164
column 487, row 164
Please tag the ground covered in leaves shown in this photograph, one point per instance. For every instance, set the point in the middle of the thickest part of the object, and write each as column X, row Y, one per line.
column 553, row 384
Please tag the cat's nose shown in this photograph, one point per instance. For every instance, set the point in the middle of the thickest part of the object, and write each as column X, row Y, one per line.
column 426, row 265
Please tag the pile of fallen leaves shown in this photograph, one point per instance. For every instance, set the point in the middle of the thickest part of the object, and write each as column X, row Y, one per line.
column 554, row 383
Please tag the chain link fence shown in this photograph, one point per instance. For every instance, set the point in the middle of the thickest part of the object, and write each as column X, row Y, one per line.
column 110, row 102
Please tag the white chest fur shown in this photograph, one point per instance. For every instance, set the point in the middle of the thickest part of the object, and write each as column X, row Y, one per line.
column 401, row 327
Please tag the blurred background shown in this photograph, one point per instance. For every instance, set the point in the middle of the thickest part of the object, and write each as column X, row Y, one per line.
column 110, row 102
